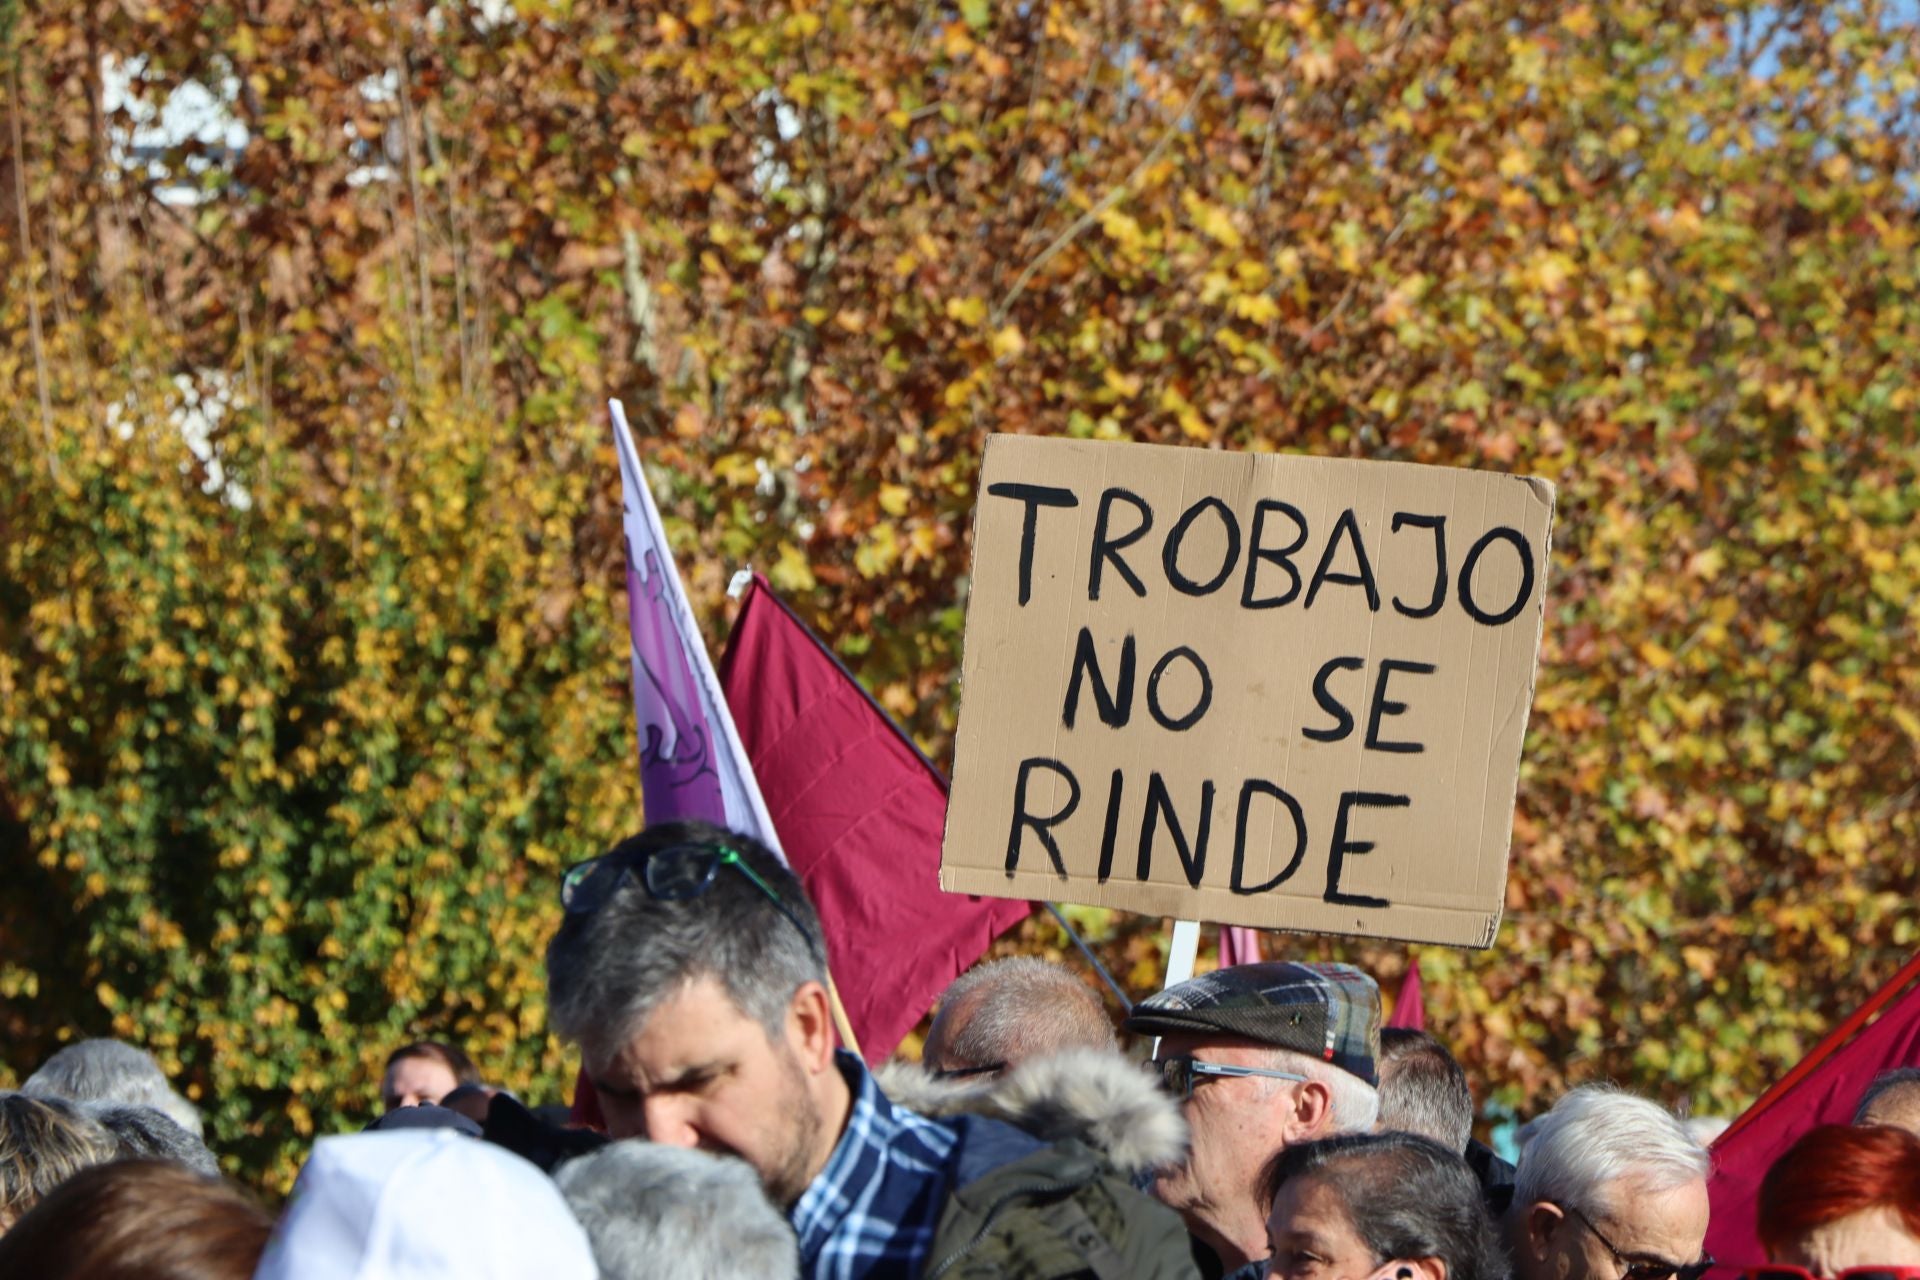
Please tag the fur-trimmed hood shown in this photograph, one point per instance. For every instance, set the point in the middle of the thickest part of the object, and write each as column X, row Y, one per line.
column 1093, row 1095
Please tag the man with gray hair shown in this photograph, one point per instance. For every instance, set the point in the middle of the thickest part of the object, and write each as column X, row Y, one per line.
column 1892, row 1099
column 1262, row 1057
column 1610, row 1187
column 111, row 1071
column 998, row 1015
column 649, row 1209
column 691, row 970
column 1423, row 1090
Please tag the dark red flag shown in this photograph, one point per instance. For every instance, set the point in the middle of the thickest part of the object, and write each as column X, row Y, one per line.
column 1410, row 1006
column 1824, row 1089
column 1239, row 945
column 860, row 812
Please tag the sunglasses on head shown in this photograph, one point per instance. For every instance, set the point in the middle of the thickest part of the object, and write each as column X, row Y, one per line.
column 1642, row 1266
column 676, row 873
column 1178, row 1075
column 1780, row 1271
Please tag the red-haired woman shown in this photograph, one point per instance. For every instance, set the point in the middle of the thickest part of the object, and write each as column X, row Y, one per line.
column 1844, row 1200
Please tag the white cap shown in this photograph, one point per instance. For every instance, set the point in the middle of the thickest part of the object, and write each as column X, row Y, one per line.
column 416, row 1204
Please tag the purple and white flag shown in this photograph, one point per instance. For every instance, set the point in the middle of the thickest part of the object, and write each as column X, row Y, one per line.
column 691, row 763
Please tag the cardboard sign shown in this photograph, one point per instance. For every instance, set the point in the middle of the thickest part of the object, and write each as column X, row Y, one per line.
column 1275, row 691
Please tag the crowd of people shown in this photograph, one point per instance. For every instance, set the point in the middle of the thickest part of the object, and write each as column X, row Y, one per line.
column 1264, row 1124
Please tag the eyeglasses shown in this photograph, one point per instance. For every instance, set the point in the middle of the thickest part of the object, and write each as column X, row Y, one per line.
column 676, row 873
column 1780, row 1271
column 958, row 1073
column 1643, row 1266
column 1179, row 1075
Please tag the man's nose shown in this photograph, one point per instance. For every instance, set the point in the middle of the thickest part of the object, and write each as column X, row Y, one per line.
column 668, row 1121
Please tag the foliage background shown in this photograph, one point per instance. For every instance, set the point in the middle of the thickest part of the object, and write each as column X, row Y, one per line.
column 311, row 664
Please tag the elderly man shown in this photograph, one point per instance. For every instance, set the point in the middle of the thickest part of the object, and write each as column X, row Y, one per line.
column 1892, row 1099
column 1610, row 1187
column 1001, row 1014
column 690, row 969
column 111, row 1071
column 643, row 1203
column 1262, row 1056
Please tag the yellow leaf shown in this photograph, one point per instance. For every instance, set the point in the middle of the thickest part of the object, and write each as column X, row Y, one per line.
column 737, row 469
column 1121, row 229
column 1707, row 564
column 1008, row 342
column 894, row 499
column 1579, row 21
column 1656, row 655
column 968, row 311
column 791, row 572
column 1258, row 308
column 1212, row 220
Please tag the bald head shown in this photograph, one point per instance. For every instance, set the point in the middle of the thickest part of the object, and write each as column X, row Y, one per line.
column 1004, row 1013
column 1893, row 1099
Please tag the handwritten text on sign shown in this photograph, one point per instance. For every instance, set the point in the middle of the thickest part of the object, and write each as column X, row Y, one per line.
column 1274, row 691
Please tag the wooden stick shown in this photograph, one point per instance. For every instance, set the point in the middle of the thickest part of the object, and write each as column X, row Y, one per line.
column 841, row 1022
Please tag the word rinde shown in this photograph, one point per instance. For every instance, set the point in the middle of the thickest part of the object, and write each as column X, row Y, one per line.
column 1277, row 533
column 1192, row 850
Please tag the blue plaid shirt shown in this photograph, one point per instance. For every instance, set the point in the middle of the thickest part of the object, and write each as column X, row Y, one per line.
column 872, row 1212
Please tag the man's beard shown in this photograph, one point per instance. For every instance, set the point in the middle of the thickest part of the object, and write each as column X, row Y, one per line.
column 791, row 1168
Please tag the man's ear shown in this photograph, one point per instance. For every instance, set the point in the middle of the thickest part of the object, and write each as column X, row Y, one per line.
column 810, row 1027
column 1312, row 1112
column 1543, row 1219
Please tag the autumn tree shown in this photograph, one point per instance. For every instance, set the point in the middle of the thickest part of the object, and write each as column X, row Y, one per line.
column 309, row 589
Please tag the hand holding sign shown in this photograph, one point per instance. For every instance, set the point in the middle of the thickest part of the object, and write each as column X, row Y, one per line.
column 1253, row 689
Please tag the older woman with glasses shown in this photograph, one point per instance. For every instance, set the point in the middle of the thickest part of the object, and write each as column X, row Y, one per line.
column 1378, row 1206
column 1843, row 1203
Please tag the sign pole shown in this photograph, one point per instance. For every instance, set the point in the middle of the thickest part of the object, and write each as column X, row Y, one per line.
column 1182, row 951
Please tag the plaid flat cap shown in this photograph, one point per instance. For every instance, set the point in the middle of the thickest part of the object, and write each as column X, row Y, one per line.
column 1325, row 1011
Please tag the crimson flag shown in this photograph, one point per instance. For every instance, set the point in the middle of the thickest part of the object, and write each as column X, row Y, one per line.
column 1239, row 945
column 1824, row 1089
column 860, row 812
column 1410, row 1006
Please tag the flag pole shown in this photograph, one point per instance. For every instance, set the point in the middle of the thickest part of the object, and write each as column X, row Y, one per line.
column 1092, row 959
column 842, row 1023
